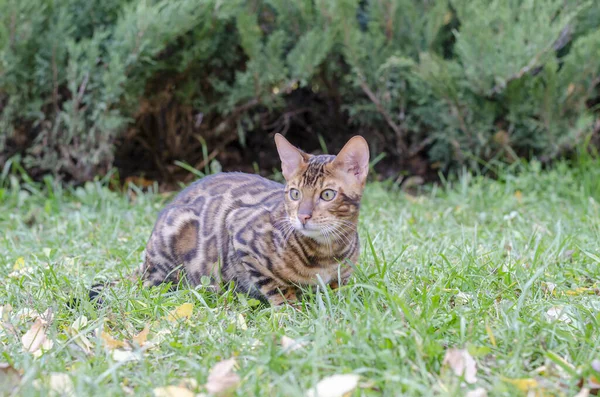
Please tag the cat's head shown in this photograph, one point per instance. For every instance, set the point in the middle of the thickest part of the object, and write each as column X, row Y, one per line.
column 323, row 192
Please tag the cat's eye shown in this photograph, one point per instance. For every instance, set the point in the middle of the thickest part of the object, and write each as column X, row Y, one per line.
column 295, row 194
column 328, row 194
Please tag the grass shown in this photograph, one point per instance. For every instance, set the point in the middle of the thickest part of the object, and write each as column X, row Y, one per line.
column 507, row 269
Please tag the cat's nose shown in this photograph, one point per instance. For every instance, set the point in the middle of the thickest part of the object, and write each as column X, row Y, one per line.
column 304, row 218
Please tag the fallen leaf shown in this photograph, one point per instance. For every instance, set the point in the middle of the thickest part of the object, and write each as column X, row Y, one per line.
column 580, row 291
column 289, row 345
column 173, row 391
column 557, row 313
column 120, row 355
column 548, row 288
column 183, row 311
column 222, row 378
column 34, row 339
column 111, row 342
column 519, row 196
column 479, row 392
column 584, row 392
column 61, row 384
column 142, row 337
column 241, row 322
column 334, row 386
column 9, row 377
column 19, row 263
column 75, row 331
column 523, row 384
column 5, row 312
column 462, row 364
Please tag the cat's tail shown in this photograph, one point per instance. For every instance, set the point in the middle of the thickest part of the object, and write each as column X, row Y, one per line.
column 96, row 291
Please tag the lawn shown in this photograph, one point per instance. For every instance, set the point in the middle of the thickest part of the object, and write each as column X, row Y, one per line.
column 506, row 269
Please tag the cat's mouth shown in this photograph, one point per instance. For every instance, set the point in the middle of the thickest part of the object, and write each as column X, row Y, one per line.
column 309, row 229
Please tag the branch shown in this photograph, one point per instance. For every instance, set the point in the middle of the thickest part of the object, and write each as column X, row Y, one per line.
column 563, row 39
column 397, row 130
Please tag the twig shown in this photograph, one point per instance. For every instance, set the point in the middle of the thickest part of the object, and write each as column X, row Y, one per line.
column 397, row 130
column 563, row 39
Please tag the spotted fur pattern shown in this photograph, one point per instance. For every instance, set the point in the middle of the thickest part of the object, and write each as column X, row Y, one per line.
column 245, row 228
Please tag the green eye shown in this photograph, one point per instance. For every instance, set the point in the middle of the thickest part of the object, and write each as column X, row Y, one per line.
column 328, row 195
column 295, row 194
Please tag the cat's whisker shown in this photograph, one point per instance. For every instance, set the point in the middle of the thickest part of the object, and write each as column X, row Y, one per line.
column 340, row 238
column 341, row 231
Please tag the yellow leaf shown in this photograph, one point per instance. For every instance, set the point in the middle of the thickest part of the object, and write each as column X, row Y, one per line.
column 523, row 384
column 579, row 291
column 519, row 196
column 111, row 342
column 488, row 329
column 173, row 391
column 141, row 338
column 183, row 311
column 334, row 386
column 19, row 263
column 221, row 378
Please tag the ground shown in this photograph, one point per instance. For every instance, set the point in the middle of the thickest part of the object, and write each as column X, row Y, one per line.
column 506, row 269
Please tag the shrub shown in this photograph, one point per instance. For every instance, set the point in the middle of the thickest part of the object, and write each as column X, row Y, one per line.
column 451, row 82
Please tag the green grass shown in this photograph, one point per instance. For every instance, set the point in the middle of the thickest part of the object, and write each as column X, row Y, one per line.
column 467, row 264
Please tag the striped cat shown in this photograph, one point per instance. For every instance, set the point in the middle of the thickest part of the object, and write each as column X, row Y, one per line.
column 265, row 237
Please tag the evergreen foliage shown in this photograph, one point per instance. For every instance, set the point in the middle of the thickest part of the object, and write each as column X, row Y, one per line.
column 452, row 81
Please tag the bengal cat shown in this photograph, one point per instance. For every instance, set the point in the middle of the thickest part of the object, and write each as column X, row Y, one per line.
column 265, row 237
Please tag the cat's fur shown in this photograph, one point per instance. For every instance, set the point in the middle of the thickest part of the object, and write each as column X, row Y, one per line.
column 248, row 229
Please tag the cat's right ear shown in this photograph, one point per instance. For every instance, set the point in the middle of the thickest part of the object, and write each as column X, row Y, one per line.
column 291, row 157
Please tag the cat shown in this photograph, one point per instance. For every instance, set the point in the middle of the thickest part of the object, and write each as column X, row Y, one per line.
column 266, row 237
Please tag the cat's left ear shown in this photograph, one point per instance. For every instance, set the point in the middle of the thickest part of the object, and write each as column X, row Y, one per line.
column 354, row 159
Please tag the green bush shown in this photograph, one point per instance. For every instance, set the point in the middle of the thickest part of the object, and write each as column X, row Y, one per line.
column 451, row 81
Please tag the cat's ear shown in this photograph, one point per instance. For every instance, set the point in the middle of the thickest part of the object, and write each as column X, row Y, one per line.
column 291, row 157
column 354, row 158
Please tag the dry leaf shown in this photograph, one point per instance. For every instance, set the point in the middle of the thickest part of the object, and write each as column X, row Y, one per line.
column 523, row 384
column 461, row 362
column 222, row 378
column 120, row 355
column 5, row 312
column 334, row 386
column 61, row 384
column 111, row 342
column 173, row 391
column 557, row 313
column 580, row 291
column 142, row 337
column 75, row 332
column 290, row 345
column 9, row 377
column 34, row 339
column 548, row 288
column 183, row 311
column 241, row 322
column 479, row 392
column 584, row 392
